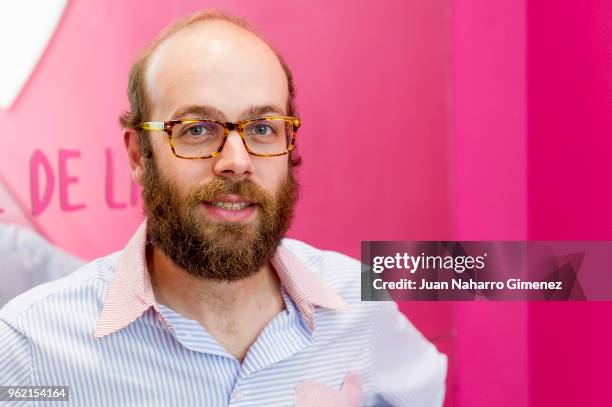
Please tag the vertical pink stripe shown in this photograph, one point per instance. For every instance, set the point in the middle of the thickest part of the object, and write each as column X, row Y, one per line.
column 570, row 189
column 490, row 188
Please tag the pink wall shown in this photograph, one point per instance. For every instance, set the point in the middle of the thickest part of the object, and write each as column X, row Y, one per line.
column 533, row 95
column 374, row 91
column 489, row 194
column 570, row 190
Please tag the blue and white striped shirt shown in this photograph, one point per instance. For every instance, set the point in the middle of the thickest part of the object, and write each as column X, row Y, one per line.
column 100, row 331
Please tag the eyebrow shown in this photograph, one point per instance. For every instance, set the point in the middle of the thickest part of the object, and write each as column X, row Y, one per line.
column 254, row 111
column 209, row 112
column 199, row 111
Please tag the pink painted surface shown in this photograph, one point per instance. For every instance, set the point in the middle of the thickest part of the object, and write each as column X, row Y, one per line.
column 489, row 194
column 570, row 192
column 545, row 177
column 374, row 92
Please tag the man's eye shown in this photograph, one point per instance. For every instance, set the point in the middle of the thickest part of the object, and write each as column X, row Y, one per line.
column 263, row 129
column 197, row 130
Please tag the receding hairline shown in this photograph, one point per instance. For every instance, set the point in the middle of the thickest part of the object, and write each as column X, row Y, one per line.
column 139, row 69
column 179, row 28
column 191, row 21
column 194, row 20
column 215, row 33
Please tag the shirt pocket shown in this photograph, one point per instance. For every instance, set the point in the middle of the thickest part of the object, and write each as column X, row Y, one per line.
column 311, row 393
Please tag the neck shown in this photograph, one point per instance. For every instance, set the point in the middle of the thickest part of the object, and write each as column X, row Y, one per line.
column 233, row 312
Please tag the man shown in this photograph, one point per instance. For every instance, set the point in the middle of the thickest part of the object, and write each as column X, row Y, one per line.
column 208, row 305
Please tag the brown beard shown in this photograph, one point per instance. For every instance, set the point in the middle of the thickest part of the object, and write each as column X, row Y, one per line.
column 216, row 250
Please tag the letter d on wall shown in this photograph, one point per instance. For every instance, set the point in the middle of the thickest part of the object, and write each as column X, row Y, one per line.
column 39, row 204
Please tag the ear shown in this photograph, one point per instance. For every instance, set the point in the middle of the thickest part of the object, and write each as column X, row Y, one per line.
column 135, row 157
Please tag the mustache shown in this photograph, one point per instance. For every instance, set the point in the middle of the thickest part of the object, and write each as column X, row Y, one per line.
column 221, row 187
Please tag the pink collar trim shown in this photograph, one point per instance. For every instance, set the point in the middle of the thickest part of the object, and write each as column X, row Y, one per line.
column 130, row 293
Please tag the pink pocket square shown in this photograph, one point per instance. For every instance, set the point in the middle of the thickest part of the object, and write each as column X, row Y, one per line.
column 311, row 393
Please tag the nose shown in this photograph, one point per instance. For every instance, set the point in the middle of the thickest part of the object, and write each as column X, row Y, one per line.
column 234, row 161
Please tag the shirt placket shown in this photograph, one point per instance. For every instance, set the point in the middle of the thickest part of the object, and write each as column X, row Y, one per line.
column 284, row 336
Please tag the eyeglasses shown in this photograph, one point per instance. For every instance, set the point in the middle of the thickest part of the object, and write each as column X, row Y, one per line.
column 268, row 136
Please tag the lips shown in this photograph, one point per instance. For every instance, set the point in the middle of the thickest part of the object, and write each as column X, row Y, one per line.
column 231, row 203
column 231, row 208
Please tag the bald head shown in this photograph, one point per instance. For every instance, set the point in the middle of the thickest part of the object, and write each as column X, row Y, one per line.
column 215, row 64
column 227, row 31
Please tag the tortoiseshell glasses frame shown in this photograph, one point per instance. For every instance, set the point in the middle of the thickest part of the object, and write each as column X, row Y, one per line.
column 292, row 122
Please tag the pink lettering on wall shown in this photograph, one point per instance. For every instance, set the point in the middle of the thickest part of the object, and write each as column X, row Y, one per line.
column 40, row 161
column 43, row 180
column 108, row 187
column 65, row 180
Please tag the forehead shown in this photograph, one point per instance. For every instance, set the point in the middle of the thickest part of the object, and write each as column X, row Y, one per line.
column 216, row 64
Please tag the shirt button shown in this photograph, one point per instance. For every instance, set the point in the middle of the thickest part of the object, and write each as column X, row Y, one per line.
column 237, row 395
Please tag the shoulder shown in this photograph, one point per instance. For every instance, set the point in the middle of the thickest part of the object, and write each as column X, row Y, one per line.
column 320, row 260
column 83, row 289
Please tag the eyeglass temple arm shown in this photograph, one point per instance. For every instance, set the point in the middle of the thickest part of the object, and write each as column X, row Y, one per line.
column 159, row 126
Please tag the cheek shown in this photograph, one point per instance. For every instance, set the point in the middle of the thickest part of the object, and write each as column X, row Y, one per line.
column 183, row 174
column 162, row 152
column 271, row 173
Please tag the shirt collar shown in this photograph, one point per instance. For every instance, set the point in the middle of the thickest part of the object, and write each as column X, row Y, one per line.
column 130, row 293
